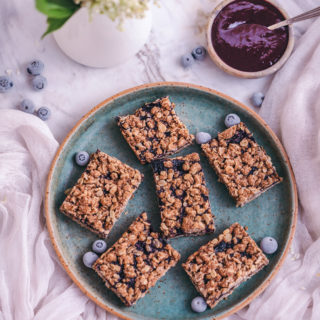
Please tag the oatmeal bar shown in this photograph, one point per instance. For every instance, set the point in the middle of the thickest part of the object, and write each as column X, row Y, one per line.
column 101, row 193
column 155, row 131
column 241, row 164
column 183, row 196
column 222, row 264
column 136, row 261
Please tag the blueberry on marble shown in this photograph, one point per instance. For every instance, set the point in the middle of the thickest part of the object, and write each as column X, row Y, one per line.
column 269, row 245
column 99, row 246
column 5, row 84
column 187, row 60
column 257, row 99
column 27, row 105
column 39, row 83
column 198, row 304
column 231, row 120
column 89, row 258
column 199, row 53
column 203, row 137
column 82, row 158
column 35, row 67
column 44, row 113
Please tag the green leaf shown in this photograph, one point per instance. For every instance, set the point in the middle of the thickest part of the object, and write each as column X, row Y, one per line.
column 57, row 12
column 57, row 9
column 53, row 25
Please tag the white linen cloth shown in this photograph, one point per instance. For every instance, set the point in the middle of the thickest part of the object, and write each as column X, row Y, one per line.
column 33, row 285
column 292, row 109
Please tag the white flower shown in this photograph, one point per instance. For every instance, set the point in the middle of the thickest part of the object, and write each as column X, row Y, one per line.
column 117, row 9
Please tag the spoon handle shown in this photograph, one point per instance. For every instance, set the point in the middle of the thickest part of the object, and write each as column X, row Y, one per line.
column 304, row 16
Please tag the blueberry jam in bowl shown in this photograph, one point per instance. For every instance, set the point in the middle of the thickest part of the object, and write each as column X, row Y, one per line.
column 239, row 40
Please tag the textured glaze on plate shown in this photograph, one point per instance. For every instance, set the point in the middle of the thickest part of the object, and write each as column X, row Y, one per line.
column 272, row 214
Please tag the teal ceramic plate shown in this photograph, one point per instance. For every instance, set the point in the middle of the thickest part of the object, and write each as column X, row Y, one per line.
column 201, row 109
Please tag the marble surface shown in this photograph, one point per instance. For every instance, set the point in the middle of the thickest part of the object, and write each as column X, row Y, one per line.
column 73, row 89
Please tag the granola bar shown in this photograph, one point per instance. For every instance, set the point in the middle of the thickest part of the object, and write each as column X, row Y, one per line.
column 222, row 264
column 101, row 193
column 136, row 261
column 183, row 196
column 241, row 164
column 155, row 131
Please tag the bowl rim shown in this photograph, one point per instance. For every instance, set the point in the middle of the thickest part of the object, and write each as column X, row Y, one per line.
column 247, row 74
column 123, row 93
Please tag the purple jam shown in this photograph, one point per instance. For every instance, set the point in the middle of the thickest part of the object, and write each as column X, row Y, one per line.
column 241, row 38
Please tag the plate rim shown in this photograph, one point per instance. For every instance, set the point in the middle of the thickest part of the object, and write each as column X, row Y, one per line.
column 50, row 228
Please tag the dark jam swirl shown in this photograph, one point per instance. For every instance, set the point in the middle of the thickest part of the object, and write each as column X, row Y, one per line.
column 241, row 38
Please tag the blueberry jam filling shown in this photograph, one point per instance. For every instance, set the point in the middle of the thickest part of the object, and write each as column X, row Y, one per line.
column 177, row 165
column 204, row 197
column 143, row 117
column 121, row 273
column 158, row 166
column 108, row 176
column 223, row 246
column 253, row 169
column 132, row 283
column 141, row 246
column 245, row 254
column 148, row 106
column 239, row 136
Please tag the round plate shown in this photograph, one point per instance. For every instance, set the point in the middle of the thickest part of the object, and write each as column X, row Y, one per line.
column 273, row 214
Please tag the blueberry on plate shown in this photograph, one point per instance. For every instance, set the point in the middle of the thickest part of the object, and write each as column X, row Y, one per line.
column 27, row 105
column 198, row 304
column 231, row 120
column 187, row 60
column 39, row 83
column 5, row 84
column 35, row 67
column 89, row 258
column 99, row 246
column 269, row 245
column 82, row 158
column 44, row 113
column 199, row 53
column 257, row 99
column 203, row 137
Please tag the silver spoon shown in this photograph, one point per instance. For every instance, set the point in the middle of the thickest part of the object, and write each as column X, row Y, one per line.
column 304, row 16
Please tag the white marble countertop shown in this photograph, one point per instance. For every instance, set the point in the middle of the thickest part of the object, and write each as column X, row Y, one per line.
column 73, row 89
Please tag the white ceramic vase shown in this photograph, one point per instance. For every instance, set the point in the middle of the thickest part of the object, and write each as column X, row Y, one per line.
column 98, row 42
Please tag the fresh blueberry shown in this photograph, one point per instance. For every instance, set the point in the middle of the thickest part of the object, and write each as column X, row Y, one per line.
column 187, row 60
column 89, row 258
column 39, row 83
column 99, row 246
column 82, row 158
column 269, row 245
column 231, row 120
column 203, row 137
column 257, row 99
column 199, row 53
column 44, row 113
column 27, row 105
column 35, row 67
column 5, row 84
column 198, row 305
